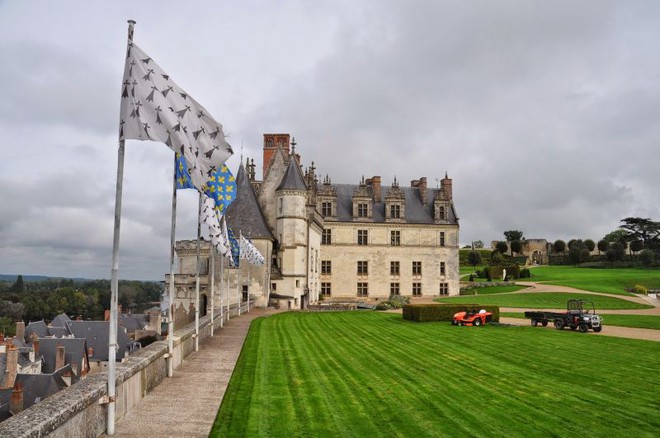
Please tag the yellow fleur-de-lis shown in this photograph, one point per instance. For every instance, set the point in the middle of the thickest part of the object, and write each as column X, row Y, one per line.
column 221, row 179
column 230, row 188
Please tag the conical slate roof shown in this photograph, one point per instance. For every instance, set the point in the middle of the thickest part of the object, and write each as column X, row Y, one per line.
column 244, row 214
column 293, row 179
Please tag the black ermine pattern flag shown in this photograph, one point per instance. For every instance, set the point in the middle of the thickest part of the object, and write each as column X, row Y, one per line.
column 154, row 108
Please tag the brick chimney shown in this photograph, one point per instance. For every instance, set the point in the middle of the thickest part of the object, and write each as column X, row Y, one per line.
column 59, row 356
column 271, row 143
column 445, row 187
column 35, row 347
column 374, row 182
column 106, row 315
column 12, row 366
column 423, row 193
column 16, row 400
column 20, row 330
column 90, row 351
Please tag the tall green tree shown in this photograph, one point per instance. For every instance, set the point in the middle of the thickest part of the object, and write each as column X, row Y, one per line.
column 516, row 246
column 559, row 246
column 474, row 259
column 512, row 235
column 644, row 229
column 18, row 285
column 602, row 245
column 501, row 247
column 590, row 244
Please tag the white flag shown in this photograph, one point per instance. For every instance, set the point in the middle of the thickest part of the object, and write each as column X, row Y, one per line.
column 210, row 218
column 227, row 242
column 154, row 108
column 250, row 253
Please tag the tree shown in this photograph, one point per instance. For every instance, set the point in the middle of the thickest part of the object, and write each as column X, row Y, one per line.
column 636, row 246
column 647, row 257
column 18, row 285
column 474, row 259
column 602, row 245
column 559, row 246
column 617, row 236
column 590, row 244
column 477, row 244
column 645, row 230
column 512, row 235
column 578, row 252
column 619, row 250
column 502, row 247
column 516, row 246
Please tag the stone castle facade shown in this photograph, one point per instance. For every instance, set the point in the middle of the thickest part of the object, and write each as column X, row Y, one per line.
column 340, row 242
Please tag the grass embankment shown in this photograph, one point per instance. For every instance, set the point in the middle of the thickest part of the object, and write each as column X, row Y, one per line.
column 498, row 289
column 604, row 280
column 546, row 300
column 634, row 321
column 374, row 374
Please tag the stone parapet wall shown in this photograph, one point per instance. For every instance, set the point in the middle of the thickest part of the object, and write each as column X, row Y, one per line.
column 76, row 411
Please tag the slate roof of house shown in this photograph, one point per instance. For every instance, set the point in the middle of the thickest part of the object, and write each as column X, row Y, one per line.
column 415, row 211
column 244, row 213
column 37, row 387
column 293, row 178
column 133, row 321
column 75, row 350
column 96, row 333
column 38, row 327
column 60, row 320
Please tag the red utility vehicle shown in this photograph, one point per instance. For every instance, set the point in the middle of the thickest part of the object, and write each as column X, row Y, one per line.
column 472, row 318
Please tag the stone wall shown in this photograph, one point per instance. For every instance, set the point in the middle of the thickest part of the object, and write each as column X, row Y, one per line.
column 76, row 411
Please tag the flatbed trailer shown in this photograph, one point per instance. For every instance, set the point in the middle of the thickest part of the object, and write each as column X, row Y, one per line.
column 580, row 314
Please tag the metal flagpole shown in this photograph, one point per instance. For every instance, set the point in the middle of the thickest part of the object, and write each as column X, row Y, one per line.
column 248, row 290
column 114, row 279
column 222, row 289
column 238, row 282
column 212, row 286
column 199, row 236
column 171, row 292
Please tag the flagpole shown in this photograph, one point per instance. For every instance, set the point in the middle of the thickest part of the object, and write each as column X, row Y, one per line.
column 238, row 282
column 171, row 292
column 248, row 290
column 222, row 287
column 199, row 236
column 212, row 286
column 114, row 279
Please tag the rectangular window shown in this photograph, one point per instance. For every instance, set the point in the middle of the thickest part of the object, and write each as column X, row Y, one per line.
column 416, row 268
column 326, row 267
column 326, row 237
column 443, row 269
column 443, row 215
column 395, row 238
column 417, row 289
column 395, row 211
column 442, row 238
column 363, row 237
column 363, row 289
column 394, row 289
column 362, row 267
column 281, row 201
column 362, row 210
column 444, row 288
column 394, row 268
column 326, row 208
column 325, row 289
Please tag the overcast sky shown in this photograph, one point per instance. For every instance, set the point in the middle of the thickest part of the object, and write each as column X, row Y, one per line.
column 544, row 114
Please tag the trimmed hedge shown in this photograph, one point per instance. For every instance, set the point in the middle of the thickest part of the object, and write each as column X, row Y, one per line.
column 443, row 312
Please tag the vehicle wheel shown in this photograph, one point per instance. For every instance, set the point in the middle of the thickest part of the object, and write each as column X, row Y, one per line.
column 544, row 323
column 534, row 322
column 461, row 323
column 598, row 329
column 583, row 327
column 559, row 324
column 454, row 322
column 476, row 322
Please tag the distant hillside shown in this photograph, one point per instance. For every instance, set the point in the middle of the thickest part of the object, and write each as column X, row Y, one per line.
column 12, row 277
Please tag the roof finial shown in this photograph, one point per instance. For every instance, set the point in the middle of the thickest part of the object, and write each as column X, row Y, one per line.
column 446, row 177
column 241, row 150
column 293, row 145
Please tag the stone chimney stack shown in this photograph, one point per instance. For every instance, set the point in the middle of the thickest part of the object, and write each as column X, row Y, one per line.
column 106, row 315
column 374, row 182
column 59, row 356
column 35, row 347
column 423, row 193
column 445, row 187
column 271, row 143
column 16, row 400
column 20, row 330
column 12, row 366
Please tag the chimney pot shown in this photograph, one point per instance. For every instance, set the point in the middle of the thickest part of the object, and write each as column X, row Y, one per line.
column 59, row 356
column 16, row 400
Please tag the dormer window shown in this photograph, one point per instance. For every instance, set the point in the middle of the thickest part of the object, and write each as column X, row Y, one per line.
column 362, row 210
column 326, row 209
column 442, row 214
column 395, row 211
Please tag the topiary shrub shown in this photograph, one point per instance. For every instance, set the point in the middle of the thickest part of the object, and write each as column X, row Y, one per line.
column 641, row 290
column 525, row 273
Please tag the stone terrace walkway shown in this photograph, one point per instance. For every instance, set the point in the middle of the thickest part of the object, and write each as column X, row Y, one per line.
column 185, row 405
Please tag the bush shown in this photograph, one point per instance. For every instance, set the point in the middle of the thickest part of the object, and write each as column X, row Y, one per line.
column 394, row 302
column 443, row 312
column 525, row 273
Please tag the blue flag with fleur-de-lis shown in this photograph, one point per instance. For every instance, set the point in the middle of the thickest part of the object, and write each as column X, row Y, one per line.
column 182, row 176
column 221, row 186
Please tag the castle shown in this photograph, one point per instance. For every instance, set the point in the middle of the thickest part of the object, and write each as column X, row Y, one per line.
column 336, row 242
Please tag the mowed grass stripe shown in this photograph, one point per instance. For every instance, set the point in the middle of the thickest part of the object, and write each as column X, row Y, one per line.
column 373, row 374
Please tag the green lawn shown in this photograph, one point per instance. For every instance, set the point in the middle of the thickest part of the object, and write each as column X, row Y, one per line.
column 546, row 300
column 637, row 321
column 359, row 374
column 611, row 281
column 498, row 289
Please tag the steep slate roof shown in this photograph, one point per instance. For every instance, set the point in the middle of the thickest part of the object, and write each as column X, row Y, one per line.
column 133, row 321
column 37, row 387
column 96, row 334
column 244, row 213
column 415, row 211
column 60, row 320
column 38, row 327
column 74, row 351
column 293, row 178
